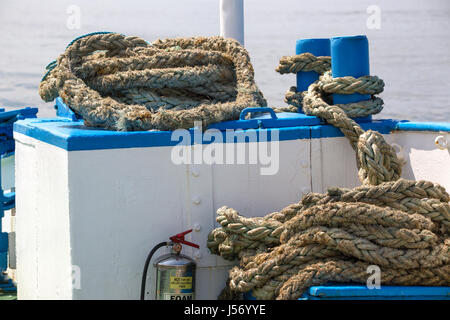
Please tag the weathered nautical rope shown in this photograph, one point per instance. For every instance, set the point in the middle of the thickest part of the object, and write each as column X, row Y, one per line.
column 376, row 160
column 124, row 83
column 401, row 226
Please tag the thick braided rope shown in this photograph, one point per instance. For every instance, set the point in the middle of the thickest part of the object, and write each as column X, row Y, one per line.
column 402, row 226
column 125, row 83
column 377, row 161
column 304, row 62
column 423, row 197
column 355, row 271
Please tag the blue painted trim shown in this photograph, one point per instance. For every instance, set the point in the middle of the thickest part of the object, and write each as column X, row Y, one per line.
column 7, row 117
column 251, row 110
column 73, row 135
column 354, row 291
column 7, row 155
column 362, row 290
column 422, row 126
column 280, row 120
column 62, row 110
column 329, row 131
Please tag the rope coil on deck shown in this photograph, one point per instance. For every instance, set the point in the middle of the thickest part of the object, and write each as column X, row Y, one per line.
column 124, row 83
column 401, row 226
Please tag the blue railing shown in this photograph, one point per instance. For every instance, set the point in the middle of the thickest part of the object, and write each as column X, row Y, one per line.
column 7, row 199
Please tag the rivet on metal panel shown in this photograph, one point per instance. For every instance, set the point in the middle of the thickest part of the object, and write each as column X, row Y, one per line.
column 304, row 164
column 398, row 148
column 196, row 200
column 195, row 171
column 441, row 142
column 196, row 227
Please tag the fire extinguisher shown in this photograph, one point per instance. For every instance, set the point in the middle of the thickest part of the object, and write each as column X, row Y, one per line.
column 175, row 272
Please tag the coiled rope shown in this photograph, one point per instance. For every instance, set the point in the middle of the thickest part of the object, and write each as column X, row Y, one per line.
column 401, row 226
column 125, row 83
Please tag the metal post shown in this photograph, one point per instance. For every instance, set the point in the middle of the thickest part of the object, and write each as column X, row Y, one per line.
column 232, row 19
column 349, row 57
column 318, row 47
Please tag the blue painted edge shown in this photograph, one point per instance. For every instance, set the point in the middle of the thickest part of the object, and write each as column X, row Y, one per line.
column 63, row 111
column 422, row 126
column 353, row 290
column 272, row 120
column 72, row 135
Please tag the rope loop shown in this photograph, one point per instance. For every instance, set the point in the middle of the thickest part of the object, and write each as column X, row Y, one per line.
column 376, row 163
column 124, row 83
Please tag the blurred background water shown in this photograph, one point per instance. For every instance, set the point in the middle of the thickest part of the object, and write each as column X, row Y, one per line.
column 410, row 51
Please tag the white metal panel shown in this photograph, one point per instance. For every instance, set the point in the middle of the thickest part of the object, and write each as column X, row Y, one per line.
column 210, row 282
column 424, row 161
column 245, row 189
column 26, row 222
column 122, row 203
column 334, row 160
column 44, row 269
column 199, row 204
column 333, row 164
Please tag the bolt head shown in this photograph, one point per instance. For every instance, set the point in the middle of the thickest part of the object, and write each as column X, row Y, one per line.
column 441, row 142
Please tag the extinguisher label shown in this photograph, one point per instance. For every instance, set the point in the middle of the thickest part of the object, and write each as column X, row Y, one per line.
column 178, row 296
column 178, row 283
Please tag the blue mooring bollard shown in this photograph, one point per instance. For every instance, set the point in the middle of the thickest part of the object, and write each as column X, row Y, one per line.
column 349, row 57
column 318, row 47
